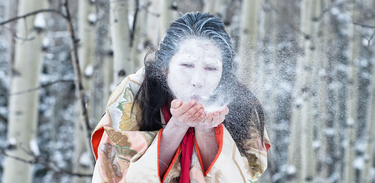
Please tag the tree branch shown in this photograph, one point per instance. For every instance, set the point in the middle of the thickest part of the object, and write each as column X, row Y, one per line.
column 32, row 13
column 149, row 12
column 134, row 23
column 367, row 26
column 363, row 25
column 50, row 165
column 16, row 36
column 369, row 39
column 4, row 119
column 41, row 86
column 327, row 9
column 78, row 81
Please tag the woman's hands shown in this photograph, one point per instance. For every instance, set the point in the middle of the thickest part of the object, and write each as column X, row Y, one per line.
column 191, row 114
column 212, row 120
column 185, row 115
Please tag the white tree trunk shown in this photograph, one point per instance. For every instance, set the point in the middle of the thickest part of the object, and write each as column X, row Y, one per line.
column 120, row 34
column 267, row 94
column 308, row 163
column 248, row 41
column 139, row 35
column 352, row 99
column 167, row 15
column 23, row 108
column 265, row 34
column 299, row 104
column 221, row 7
column 153, row 30
column 104, row 58
column 370, row 124
column 302, row 114
column 209, row 6
column 370, row 129
column 86, row 58
column 322, row 96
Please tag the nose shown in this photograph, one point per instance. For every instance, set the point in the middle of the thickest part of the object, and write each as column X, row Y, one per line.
column 197, row 80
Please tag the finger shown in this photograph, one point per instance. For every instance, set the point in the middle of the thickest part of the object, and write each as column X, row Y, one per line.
column 184, row 108
column 199, row 111
column 193, row 109
column 176, row 103
column 209, row 119
column 226, row 110
column 222, row 116
column 216, row 119
column 223, row 113
column 200, row 115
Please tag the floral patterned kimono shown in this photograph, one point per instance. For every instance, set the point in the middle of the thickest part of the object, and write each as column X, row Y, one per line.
column 124, row 154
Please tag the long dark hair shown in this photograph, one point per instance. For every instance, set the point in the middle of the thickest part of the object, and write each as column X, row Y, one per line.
column 154, row 91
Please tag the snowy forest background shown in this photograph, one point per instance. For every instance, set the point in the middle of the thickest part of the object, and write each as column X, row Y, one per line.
column 311, row 63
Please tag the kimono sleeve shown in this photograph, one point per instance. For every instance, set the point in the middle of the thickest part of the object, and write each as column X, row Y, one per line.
column 122, row 152
column 125, row 156
column 232, row 166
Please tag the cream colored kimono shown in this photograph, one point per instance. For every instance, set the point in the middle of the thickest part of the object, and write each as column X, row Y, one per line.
column 124, row 154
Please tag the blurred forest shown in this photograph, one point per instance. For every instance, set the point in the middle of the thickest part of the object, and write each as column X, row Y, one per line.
column 311, row 63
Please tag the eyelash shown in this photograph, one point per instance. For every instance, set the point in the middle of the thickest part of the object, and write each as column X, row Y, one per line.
column 192, row 66
column 188, row 65
column 210, row 69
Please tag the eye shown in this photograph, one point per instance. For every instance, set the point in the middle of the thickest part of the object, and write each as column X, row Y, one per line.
column 188, row 65
column 210, row 68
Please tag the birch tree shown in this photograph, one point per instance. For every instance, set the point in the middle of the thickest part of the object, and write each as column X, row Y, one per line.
column 366, row 176
column 324, row 142
column 352, row 99
column 103, row 77
column 167, row 15
column 221, row 9
column 302, row 114
column 209, row 6
column 370, row 128
column 139, row 33
column 82, row 155
column 23, row 107
column 248, row 41
column 120, row 34
column 312, row 57
column 268, row 96
column 337, row 98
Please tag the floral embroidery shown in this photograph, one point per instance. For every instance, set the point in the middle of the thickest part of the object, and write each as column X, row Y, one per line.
column 254, row 166
column 125, row 151
column 119, row 138
column 128, row 119
column 111, row 155
column 255, row 178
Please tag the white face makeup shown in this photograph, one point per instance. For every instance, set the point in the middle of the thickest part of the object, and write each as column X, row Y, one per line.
column 195, row 70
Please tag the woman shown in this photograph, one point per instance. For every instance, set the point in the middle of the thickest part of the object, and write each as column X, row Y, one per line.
column 184, row 117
